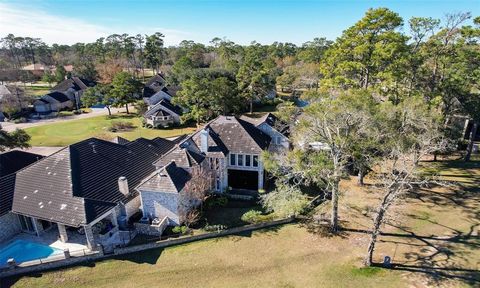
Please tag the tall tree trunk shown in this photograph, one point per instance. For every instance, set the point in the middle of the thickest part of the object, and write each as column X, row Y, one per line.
column 377, row 223
column 126, row 107
column 251, row 105
column 335, row 191
column 361, row 176
column 473, row 133
column 109, row 111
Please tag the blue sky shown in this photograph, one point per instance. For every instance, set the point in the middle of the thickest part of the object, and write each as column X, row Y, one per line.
column 265, row 21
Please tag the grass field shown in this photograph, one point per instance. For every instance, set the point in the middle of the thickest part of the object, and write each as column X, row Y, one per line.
column 429, row 238
column 68, row 132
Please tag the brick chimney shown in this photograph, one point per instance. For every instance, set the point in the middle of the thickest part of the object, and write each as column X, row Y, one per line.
column 204, row 140
column 123, row 185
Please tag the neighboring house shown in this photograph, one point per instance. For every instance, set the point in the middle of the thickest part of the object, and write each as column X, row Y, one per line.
column 270, row 124
column 163, row 114
column 52, row 102
column 83, row 184
column 10, row 163
column 158, row 95
column 232, row 148
column 39, row 69
column 36, row 69
column 156, row 89
column 12, row 99
column 74, row 88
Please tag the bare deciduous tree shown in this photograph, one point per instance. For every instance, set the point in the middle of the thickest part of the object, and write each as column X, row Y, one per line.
column 411, row 131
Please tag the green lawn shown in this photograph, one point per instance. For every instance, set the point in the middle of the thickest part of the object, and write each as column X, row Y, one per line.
column 289, row 256
column 68, row 132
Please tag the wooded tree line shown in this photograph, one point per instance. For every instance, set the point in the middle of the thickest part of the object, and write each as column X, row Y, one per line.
column 384, row 101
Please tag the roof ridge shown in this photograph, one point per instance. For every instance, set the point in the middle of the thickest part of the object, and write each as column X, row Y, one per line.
column 246, row 130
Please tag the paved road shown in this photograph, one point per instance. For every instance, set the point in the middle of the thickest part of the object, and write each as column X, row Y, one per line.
column 10, row 126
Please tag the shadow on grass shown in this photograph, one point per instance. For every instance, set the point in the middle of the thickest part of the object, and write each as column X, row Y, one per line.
column 433, row 256
column 11, row 281
column 437, row 275
column 144, row 257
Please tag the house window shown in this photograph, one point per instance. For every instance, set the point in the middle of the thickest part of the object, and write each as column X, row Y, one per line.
column 240, row 159
column 232, row 159
column 255, row 160
column 248, row 161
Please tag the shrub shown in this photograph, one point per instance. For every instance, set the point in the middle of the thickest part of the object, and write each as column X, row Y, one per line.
column 285, row 201
column 255, row 216
column 20, row 120
column 179, row 229
column 216, row 201
column 213, row 228
column 119, row 126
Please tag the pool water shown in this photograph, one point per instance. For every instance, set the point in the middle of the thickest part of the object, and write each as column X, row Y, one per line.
column 23, row 251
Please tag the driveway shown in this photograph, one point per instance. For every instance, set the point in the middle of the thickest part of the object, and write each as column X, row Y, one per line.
column 10, row 126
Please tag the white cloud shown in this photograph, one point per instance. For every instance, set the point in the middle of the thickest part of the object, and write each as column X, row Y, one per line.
column 23, row 21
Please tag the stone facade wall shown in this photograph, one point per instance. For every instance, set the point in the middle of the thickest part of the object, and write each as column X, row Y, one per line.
column 152, row 230
column 10, row 226
column 160, row 205
column 132, row 207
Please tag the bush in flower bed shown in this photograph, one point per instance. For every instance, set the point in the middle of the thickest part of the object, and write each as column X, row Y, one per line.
column 120, row 126
column 255, row 216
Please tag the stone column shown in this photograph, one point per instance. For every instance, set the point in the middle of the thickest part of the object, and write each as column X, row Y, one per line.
column 63, row 233
column 90, row 238
column 260, row 179
column 260, row 175
column 38, row 226
column 113, row 218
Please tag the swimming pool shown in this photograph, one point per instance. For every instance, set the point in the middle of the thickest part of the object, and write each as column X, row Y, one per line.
column 23, row 251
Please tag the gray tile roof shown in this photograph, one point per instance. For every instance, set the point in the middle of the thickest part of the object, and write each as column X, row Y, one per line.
column 271, row 120
column 12, row 161
column 182, row 158
column 7, row 186
column 59, row 96
column 164, row 104
column 169, row 179
column 80, row 182
column 120, row 140
column 74, row 83
column 230, row 134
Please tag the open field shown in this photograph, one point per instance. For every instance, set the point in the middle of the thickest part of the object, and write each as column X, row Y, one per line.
column 429, row 239
column 68, row 132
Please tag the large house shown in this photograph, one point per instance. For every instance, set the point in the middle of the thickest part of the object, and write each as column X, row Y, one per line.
column 96, row 183
column 12, row 99
column 158, row 95
column 65, row 95
column 52, row 103
column 74, row 88
column 10, row 163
